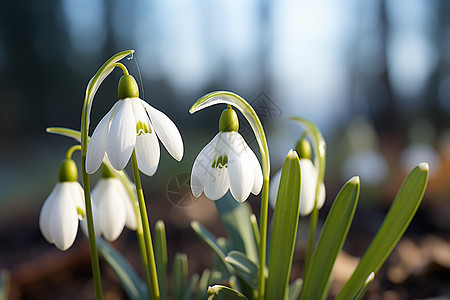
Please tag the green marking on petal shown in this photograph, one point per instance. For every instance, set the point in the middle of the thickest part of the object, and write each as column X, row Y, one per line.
column 80, row 212
column 221, row 162
column 142, row 128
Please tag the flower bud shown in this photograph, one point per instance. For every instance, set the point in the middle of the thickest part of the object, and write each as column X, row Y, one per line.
column 228, row 121
column 68, row 171
column 303, row 148
column 128, row 87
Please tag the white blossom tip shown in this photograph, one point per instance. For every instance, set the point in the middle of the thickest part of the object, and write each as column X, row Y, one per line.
column 424, row 166
column 354, row 180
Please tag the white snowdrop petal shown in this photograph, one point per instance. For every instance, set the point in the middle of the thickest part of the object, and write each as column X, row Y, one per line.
column 46, row 211
column 273, row 188
column 321, row 197
column 77, row 196
column 257, row 172
column 122, row 135
column 64, row 220
column 84, row 225
column 130, row 222
column 308, row 186
column 217, row 184
column 147, row 153
column 202, row 170
column 111, row 212
column 97, row 144
column 166, row 130
column 240, row 167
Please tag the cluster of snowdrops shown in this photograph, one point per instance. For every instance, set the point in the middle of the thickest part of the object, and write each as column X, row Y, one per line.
column 244, row 268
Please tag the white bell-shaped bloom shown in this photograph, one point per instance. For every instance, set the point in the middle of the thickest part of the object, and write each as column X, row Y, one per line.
column 58, row 219
column 133, row 124
column 112, row 209
column 308, row 188
column 227, row 162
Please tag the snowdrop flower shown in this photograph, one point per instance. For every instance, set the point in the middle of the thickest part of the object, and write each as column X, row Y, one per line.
column 308, row 181
column 132, row 124
column 226, row 162
column 58, row 219
column 112, row 207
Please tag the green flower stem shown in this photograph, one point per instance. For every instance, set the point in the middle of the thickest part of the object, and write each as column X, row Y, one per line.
column 91, row 89
column 72, row 150
column 90, row 222
column 124, row 69
column 146, row 227
column 250, row 115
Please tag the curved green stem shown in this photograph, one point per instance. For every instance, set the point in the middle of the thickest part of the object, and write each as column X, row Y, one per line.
column 91, row 89
column 146, row 227
column 72, row 150
column 229, row 98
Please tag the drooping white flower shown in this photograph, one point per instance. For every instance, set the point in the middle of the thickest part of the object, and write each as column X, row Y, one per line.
column 133, row 124
column 226, row 162
column 308, row 188
column 112, row 209
column 59, row 216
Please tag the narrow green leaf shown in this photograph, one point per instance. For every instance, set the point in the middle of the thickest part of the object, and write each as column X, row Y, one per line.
column 284, row 231
column 131, row 282
column 256, row 233
column 244, row 267
column 220, row 292
column 4, row 284
column 363, row 289
column 179, row 275
column 236, row 218
column 203, row 285
column 331, row 240
column 71, row 133
column 394, row 225
column 210, row 240
column 295, row 288
column 161, row 258
column 190, row 288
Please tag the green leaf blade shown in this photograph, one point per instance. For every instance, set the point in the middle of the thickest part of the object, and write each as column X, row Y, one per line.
column 285, row 223
column 180, row 276
column 161, row 258
column 131, row 282
column 331, row 240
column 244, row 267
column 399, row 217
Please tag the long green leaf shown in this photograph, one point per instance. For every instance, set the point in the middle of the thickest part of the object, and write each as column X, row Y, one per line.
column 131, row 282
column 236, row 218
column 244, row 267
column 394, row 225
column 190, row 288
column 284, row 232
column 331, row 240
column 161, row 258
column 4, row 284
column 179, row 275
column 203, row 285
column 210, row 240
column 220, row 292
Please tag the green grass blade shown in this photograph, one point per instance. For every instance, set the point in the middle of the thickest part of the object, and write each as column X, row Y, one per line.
column 236, row 218
column 295, row 288
column 179, row 276
column 131, row 282
column 244, row 267
column 284, row 232
column 363, row 289
column 331, row 240
column 190, row 288
column 203, row 285
column 161, row 258
column 210, row 240
column 4, row 284
column 255, row 228
column 394, row 225
column 220, row 292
